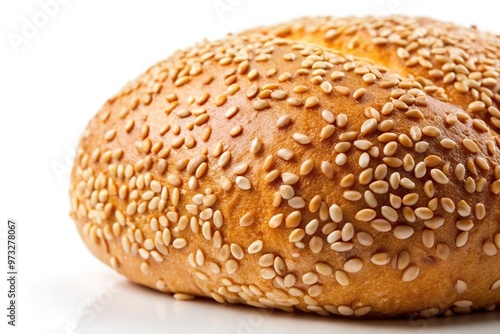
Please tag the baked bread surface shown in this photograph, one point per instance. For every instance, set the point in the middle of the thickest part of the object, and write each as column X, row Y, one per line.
column 273, row 170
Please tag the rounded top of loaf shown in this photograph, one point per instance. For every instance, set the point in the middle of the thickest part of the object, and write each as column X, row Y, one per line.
column 273, row 158
column 453, row 63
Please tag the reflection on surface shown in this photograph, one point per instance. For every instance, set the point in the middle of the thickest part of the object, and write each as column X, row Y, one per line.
column 101, row 301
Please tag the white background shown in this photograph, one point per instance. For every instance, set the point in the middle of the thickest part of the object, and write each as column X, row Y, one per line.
column 54, row 81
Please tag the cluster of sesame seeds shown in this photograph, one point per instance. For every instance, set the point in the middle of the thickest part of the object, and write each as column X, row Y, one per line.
column 333, row 184
column 450, row 63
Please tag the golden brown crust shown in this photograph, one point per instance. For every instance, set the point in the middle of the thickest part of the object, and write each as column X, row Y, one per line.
column 361, row 195
column 453, row 63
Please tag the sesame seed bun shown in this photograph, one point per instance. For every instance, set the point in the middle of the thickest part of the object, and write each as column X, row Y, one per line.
column 268, row 171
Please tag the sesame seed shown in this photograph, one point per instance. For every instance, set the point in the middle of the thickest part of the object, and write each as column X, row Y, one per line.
column 289, row 178
column 335, row 213
column 341, row 120
column 311, row 102
column 381, row 225
column 340, row 246
column 439, row 176
column 324, row 269
column 353, row 265
column 131, row 208
column 369, row 126
column 480, row 211
column 359, row 93
column 400, row 105
column 411, row 273
column 363, row 144
column 327, row 131
column 342, row 146
column 424, row 213
column 247, row 219
column 296, row 235
column 271, row 176
column 240, row 168
column 403, row 232
column 442, row 251
column 366, row 176
column 470, row 185
column 110, row 135
column 235, row 130
column 347, row 232
column 380, row 259
column 403, row 260
column 434, row 222
column 260, row 105
column 463, row 303
column 481, row 163
column 179, row 243
column 477, row 106
column 276, row 220
column 470, row 145
column 316, row 244
column 252, row 91
column 267, row 273
column 284, row 76
column 266, row 260
column 337, row 75
column 220, row 100
column 342, row 279
column 285, row 154
column 389, row 213
column 326, row 87
column 495, row 187
column 306, row 167
column 183, row 296
column 326, row 169
column 279, row 95
column 379, row 187
column 255, row 146
column 255, row 247
column 301, row 138
column 361, row 311
column 365, row 215
column 231, row 266
column 224, row 253
column 369, row 78
column 334, row 236
column 402, row 53
column 364, row 239
column 489, row 249
column 295, row 101
column 237, row 251
column 431, row 131
column 310, row 278
column 297, row 202
column 463, row 208
column 464, row 225
column 351, row 195
column 312, row 226
column 461, row 239
column 342, row 90
column 283, row 121
column 243, row 183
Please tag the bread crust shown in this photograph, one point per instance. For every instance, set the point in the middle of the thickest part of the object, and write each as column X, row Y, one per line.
column 453, row 63
column 172, row 189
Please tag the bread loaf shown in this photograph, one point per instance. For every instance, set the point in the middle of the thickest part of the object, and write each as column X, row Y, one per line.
column 264, row 170
column 452, row 63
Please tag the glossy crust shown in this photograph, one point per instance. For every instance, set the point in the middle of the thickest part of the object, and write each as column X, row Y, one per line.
column 453, row 63
column 278, row 174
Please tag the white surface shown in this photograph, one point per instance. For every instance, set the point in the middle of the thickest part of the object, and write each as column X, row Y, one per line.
column 54, row 84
